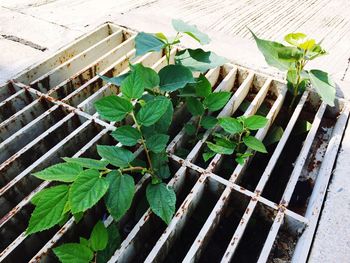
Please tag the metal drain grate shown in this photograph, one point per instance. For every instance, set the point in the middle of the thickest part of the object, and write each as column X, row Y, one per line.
column 264, row 210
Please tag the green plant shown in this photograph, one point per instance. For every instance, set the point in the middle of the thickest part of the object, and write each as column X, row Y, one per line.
column 293, row 59
column 143, row 111
column 235, row 137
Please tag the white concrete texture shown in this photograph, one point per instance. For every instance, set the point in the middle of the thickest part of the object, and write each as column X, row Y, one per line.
column 51, row 24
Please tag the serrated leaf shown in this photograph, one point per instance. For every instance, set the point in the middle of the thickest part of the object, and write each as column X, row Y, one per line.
column 291, row 54
column 254, row 143
column 270, row 51
column 194, row 106
column 160, row 164
column 222, row 149
column 117, row 81
column 324, row 85
column 203, row 87
column 199, row 60
column 62, row 172
column 87, row 162
column 49, row 209
column 208, row 122
column 162, row 200
column 217, row 100
column 191, row 30
column 116, row 156
column 99, row 237
column 148, row 76
column 126, row 135
column 231, row 125
column 120, row 194
column 73, row 253
column 174, row 77
column 152, row 111
column 113, row 108
column 87, row 190
column 255, row 122
column 132, row 86
column 114, row 241
column 146, row 43
column 157, row 142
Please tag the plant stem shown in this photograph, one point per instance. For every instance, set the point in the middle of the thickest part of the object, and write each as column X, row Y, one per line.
column 199, row 124
column 143, row 142
column 135, row 168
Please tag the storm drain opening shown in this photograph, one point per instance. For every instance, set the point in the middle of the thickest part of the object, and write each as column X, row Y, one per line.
column 264, row 210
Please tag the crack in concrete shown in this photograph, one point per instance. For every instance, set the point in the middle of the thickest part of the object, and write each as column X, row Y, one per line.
column 346, row 69
column 24, row 42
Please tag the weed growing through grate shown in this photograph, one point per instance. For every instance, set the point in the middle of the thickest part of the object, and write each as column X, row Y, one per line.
column 293, row 59
column 235, row 137
column 147, row 101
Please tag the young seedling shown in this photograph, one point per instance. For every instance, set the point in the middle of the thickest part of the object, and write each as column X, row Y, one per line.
column 293, row 59
column 236, row 137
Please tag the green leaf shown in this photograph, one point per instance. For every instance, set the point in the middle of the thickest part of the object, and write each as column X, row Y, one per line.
column 114, row 241
column 113, row 108
column 199, row 60
column 291, row 54
column 160, row 164
column 255, row 122
column 274, row 135
column 152, row 111
column 222, row 149
column 148, row 77
column 157, row 142
column 162, row 200
column 308, row 45
column 126, row 135
column 292, row 76
column 207, row 155
column 208, row 122
column 231, row 125
column 190, row 129
column 191, row 30
column 87, row 162
column 87, row 190
column 161, row 36
column 132, row 87
column 84, row 241
column 62, row 172
column 203, row 87
column 99, row 237
column 194, row 106
column 254, row 143
column 174, row 77
column 116, row 156
column 242, row 157
column 270, row 50
column 147, row 42
column 120, row 194
column 315, row 52
column 295, row 38
column 216, row 100
column 117, row 81
column 324, row 85
column 73, row 253
column 49, row 209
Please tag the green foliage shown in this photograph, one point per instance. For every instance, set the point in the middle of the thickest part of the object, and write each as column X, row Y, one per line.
column 174, row 77
column 116, row 156
column 293, row 59
column 127, row 135
column 191, row 30
column 215, row 101
column 152, row 111
column 236, row 133
column 63, row 172
column 147, row 42
column 87, row 163
column 162, row 200
column 99, row 237
column 113, row 108
column 73, row 252
column 120, row 193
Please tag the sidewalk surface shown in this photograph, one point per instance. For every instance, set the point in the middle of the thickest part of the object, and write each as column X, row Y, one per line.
column 31, row 30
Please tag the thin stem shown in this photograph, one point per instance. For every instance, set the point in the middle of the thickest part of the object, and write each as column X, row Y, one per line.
column 143, row 142
column 199, row 124
column 135, row 168
column 106, row 171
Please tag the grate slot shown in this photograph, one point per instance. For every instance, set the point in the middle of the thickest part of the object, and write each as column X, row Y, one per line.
column 7, row 90
column 15, row 103
column 77, row 63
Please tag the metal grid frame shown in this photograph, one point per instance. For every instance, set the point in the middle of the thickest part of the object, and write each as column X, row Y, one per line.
column 59, row 94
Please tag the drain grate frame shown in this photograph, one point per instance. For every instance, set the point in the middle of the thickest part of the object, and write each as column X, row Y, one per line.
column 56, row 97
